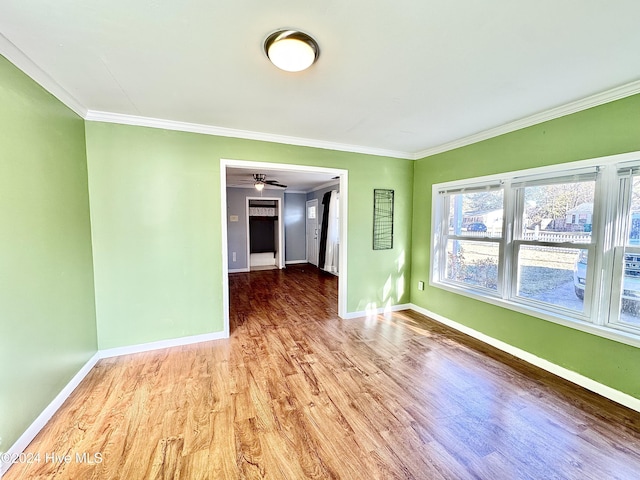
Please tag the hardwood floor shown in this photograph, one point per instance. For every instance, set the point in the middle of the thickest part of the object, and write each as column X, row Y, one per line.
column 298, row 393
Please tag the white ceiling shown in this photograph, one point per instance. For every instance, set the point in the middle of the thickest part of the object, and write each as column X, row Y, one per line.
column 295, row 181
column 401, row 77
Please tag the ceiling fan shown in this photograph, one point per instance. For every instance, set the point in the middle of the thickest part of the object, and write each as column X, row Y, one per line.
column 260, row 180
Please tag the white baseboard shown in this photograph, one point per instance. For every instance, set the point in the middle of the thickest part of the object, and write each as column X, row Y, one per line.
column 377, row 311
column 294, row 262
column 586, row 382
column 174, row 342
column 238, row 270
column 30, row 433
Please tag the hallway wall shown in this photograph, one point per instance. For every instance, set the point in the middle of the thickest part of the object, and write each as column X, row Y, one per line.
column 295, row 232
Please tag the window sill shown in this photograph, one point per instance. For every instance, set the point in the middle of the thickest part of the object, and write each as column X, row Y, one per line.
column 608, row 332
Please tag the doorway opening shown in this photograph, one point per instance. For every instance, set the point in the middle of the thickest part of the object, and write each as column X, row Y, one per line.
column 265, row 233
column 336, row 177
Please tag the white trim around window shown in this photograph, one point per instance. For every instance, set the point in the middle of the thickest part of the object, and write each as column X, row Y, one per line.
column 598, row 240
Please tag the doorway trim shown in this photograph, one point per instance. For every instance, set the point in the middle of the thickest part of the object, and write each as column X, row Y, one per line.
column 344, row 198
column 280, row 231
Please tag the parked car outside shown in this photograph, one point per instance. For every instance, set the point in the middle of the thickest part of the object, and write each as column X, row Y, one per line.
column 631, row 283
column 476, row 227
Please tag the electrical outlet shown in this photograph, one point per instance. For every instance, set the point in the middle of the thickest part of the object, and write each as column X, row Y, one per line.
column 420, row 285
column 234, row 256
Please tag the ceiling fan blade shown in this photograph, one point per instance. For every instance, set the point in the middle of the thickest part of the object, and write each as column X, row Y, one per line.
column 275, row 183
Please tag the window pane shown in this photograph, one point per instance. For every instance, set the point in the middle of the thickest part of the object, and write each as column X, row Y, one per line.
column 634, row 216
column 477, row 214
column 560, row 212
column 473, row 263
column 311, row 212
column 628, row 304
column 552, row 275
column 629, row 301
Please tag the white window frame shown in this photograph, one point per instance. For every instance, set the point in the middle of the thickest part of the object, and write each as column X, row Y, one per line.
column 620, row 247
column 517, row 191
column 608, row 240
column 446, row 236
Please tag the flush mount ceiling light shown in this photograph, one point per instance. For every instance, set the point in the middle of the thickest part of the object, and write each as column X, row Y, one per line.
column 291, row 50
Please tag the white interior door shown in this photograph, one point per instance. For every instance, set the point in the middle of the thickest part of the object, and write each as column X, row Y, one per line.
column 312, row 232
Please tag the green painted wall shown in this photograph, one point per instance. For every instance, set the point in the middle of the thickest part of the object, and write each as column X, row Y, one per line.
column 156, row 223
column 47, row 312
column 605, row 130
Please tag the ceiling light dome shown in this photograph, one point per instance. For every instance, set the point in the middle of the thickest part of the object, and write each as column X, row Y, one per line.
column 291, row 50
column 259, row 181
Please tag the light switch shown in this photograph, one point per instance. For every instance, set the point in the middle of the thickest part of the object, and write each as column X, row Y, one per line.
column 233, row 218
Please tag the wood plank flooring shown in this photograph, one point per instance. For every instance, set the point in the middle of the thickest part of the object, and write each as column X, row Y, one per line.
column 298, row 393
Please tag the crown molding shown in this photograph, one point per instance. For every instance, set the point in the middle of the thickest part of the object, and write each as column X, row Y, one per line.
column 601, row 98
column 42, row 78
column 97, row 116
